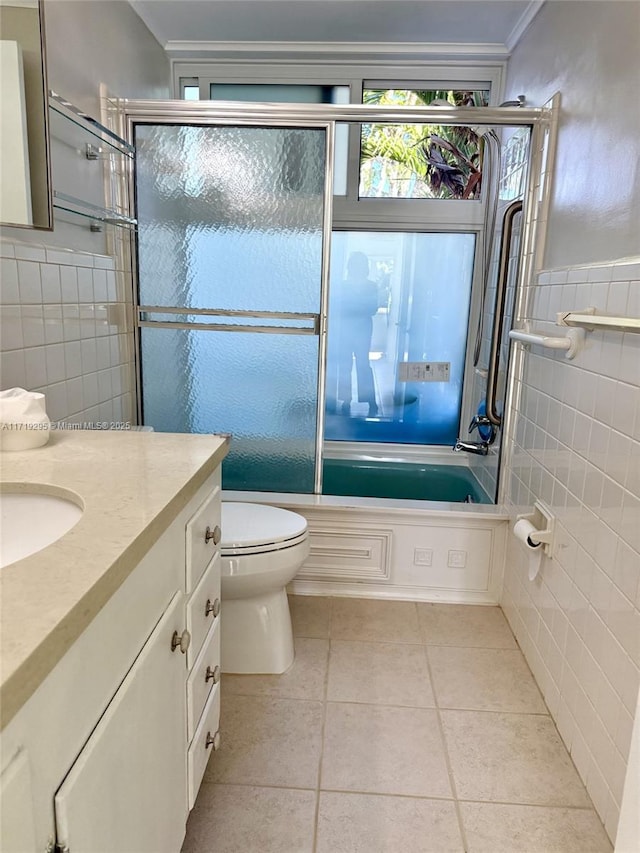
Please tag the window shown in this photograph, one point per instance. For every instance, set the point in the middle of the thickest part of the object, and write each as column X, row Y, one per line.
column 189, row 89
column 420, row 160
column 398, row 308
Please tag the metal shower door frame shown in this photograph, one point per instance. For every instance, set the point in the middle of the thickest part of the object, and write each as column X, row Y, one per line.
column 172, row 113
column 541, row 120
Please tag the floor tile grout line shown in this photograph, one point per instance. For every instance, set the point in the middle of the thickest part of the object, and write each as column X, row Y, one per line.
column 420, row 643
column 316, row 817
column 431, row 707
column 386, row 794
column 529, row 805
column 259, row 785
column 447, row 758
column 359, row 793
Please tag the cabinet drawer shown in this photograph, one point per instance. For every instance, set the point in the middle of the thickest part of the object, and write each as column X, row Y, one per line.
column 199, row 550
column 198, row 685
column 199, row 751
column 202, row 607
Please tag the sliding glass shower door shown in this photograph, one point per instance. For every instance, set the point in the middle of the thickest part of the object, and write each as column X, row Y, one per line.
column 231, row 232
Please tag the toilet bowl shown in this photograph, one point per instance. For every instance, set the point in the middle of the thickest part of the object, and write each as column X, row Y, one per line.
column 262, row 550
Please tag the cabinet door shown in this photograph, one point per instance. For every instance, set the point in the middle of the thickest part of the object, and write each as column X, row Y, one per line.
column 127, row 790
column 17, row 826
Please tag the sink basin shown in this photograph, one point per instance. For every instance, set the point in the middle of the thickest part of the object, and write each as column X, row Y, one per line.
column 30, row 521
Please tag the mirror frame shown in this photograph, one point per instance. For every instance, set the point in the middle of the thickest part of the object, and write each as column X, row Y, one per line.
column 46, row 171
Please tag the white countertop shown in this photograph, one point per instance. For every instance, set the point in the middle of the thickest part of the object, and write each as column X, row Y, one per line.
column 131, row 485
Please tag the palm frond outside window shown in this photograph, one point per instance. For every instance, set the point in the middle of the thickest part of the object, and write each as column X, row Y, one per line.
column 420, row 160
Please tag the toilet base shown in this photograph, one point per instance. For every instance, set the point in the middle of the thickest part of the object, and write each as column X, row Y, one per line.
column 257, row 637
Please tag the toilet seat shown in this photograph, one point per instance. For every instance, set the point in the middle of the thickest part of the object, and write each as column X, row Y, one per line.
column 259, row 529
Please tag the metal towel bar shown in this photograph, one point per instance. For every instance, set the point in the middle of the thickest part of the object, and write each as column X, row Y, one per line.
column 588, row 319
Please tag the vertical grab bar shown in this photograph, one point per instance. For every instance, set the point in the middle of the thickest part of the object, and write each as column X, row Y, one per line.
column 498, row 315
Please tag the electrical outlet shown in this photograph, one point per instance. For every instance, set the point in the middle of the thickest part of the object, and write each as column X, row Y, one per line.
column 422, row 557
column 457, row 559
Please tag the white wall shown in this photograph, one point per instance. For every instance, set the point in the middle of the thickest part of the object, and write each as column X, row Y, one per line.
column 66, row 295
column 588, row 51
column 89, row 43
column 575, row 425
column 102, row 41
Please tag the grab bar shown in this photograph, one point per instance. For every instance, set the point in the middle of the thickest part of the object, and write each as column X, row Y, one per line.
column 572, row 343
column 498, row 315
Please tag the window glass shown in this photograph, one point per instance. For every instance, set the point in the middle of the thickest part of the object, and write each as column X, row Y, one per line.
column 397, row 332
column 190, row 88
column 281, row 93
column 421, row 160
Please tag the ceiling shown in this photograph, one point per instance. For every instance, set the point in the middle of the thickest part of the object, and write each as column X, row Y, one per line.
column 475, row 29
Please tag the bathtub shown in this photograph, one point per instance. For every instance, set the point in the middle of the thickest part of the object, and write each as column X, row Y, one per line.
column 376, row 478
column 398, row 548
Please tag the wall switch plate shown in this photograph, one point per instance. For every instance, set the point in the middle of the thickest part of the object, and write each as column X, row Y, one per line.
column 422, row 557
column 457, row 559
column 424, row 371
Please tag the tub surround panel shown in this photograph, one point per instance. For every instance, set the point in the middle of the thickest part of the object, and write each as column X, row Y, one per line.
column 131, row 484
column 575, row 436
column 411, row 550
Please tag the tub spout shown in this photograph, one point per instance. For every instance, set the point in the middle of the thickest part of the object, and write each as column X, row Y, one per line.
column 479, row 447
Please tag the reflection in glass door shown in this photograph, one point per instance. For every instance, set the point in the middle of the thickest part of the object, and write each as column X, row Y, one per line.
column 398, row 317
column 230, row 251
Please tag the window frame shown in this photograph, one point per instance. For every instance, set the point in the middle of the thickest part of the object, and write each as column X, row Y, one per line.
column 350, row 209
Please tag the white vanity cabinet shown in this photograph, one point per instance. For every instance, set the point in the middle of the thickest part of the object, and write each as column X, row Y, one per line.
column 203, row 622
column 113, row 743
column 17, row 830
column 125, row 790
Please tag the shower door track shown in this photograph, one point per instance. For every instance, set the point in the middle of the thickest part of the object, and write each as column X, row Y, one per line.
column 541, row 120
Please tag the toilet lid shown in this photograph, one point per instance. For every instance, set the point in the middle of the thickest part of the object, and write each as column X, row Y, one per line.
column 257, row 528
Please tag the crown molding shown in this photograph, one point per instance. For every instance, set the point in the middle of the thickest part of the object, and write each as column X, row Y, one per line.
column 525, row 19
column 343, row 50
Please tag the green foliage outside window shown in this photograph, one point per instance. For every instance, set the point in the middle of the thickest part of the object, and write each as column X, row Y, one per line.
column 420, row 160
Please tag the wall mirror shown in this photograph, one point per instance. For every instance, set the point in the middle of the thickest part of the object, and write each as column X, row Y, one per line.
column 25, row 188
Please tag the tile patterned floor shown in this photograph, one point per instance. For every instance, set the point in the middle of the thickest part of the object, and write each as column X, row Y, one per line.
column 400, row 728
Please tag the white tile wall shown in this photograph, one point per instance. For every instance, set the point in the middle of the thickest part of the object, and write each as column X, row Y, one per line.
column 65, row 331
column 575, row 433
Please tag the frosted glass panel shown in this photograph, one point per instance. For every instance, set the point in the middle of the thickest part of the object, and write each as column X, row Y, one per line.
column 288, row 93
column 397, row 335
column 259, row 387
column 230, row 217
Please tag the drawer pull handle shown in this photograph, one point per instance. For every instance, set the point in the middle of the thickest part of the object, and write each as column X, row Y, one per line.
column 213, row 740
column 215, row 534
column 181, row 641
column 212, row 608
column 213, row 673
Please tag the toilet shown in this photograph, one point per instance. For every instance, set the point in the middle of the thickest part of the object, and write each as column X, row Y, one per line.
column 262, row 549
